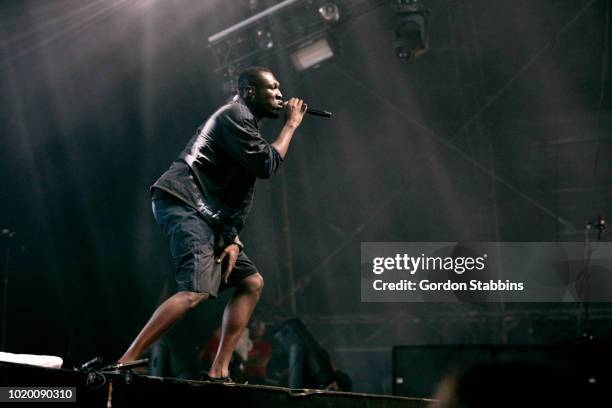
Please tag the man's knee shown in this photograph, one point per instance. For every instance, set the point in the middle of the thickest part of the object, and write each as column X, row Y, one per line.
column 253, row 283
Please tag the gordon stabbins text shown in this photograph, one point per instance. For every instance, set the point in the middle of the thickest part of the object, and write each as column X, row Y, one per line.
column 474, row 285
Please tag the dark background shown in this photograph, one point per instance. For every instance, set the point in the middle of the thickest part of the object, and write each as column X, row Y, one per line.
column 500, row 132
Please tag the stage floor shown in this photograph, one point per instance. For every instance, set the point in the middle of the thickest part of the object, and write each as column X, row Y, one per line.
column 121, row 389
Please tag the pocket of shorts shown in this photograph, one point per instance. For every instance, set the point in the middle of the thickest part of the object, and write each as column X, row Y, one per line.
column 194, row 250
column 207, row 273
column 205, row 256
column 189, row 264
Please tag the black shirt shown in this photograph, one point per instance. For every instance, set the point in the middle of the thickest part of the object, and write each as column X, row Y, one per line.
column 216, row 172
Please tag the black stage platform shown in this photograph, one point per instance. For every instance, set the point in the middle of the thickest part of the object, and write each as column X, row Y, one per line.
column 114, row 389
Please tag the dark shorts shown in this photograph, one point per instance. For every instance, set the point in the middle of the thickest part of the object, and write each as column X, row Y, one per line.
column 195, row 247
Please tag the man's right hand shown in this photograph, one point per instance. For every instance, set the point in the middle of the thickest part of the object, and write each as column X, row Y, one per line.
column 294, row 112
column 231, row 251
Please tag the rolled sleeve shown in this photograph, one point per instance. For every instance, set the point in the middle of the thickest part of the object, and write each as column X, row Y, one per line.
column 241, row 139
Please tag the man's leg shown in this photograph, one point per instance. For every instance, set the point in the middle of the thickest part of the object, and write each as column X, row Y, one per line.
column 235, row 318
column 162, row 319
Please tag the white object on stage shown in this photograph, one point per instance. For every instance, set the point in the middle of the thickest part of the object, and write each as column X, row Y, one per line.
column 32, row 359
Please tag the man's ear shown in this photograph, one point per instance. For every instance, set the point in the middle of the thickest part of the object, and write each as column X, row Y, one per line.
column 250, row 91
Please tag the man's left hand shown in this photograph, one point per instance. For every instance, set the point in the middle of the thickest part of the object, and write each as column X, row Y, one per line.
column 231, row 252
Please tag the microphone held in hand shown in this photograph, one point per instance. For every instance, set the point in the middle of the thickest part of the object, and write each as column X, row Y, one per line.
column 316, row 112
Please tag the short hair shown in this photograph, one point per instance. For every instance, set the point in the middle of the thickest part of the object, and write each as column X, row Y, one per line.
column 250, row 77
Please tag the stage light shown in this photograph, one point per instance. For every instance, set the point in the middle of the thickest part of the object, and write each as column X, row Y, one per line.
column 410, row 37
column 312, row 54
column 329, row 12
column 407, row 6
column 411, row 30
column 264, row 39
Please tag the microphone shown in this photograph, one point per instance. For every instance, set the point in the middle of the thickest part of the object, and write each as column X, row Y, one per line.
column 126, row 366
column 91, row 362
column 315, row 112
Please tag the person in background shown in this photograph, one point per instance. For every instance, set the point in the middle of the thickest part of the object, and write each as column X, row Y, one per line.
column 209, row 349
column 207, row 353
column 259, row 356
column 509, row 384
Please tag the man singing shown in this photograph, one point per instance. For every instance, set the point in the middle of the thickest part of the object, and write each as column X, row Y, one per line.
column 202, row 201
